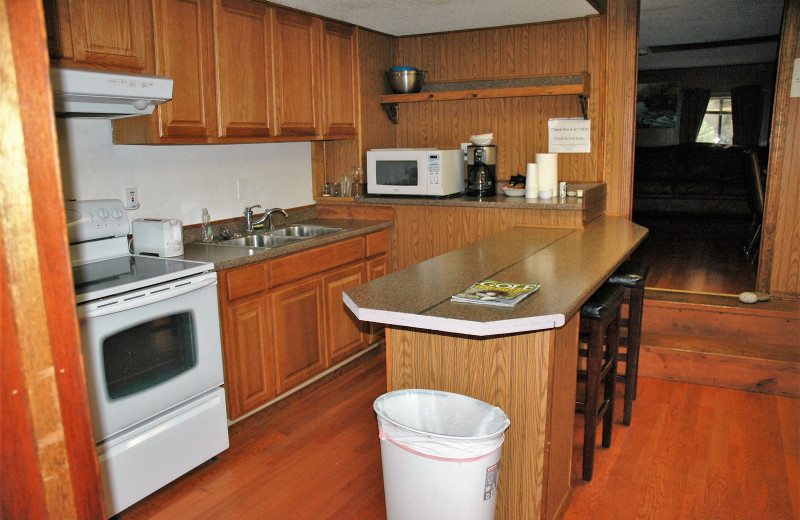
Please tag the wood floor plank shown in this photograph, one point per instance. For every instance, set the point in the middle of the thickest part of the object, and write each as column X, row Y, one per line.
column 692, row 452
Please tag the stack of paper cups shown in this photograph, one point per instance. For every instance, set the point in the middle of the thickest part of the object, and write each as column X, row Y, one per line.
column 531, row 181
column 547, row 166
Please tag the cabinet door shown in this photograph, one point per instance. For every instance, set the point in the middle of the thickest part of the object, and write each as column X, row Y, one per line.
column 249, row 361
column 297, row 338
column 103, row 34
column 297, row 73
column 184, row 53
column 376, row 267
column 340, row 80
column 243, row 55
column 343, row 330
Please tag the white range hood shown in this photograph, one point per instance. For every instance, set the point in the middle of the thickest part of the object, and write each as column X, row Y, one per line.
column 110, row 95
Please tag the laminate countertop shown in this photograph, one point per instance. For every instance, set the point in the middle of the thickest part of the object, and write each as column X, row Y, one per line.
column 226, row 257
column 570, row 264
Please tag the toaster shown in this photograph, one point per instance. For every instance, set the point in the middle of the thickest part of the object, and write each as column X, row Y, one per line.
column 158, row 237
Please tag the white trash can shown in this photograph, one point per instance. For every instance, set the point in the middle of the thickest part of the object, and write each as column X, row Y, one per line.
column 440, row 453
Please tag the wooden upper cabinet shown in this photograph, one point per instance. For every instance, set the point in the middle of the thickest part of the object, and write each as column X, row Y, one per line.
column 183, row 53
column 340, row 80
column 243, row 62
column 297, row 73
column 100, row 34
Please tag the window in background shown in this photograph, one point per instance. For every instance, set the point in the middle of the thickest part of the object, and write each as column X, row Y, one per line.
column 717, row 124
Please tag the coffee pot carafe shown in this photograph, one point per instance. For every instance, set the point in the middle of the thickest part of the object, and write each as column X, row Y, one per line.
column 481, row 170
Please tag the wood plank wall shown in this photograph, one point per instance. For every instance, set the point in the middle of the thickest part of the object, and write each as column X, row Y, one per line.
column 519, row 124
column 48, row 462
column 779, row 265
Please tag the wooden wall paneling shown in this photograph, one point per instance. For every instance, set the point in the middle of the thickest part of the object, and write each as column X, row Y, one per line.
column 622, row 30
column 779, row 262
column 595, row 49
column 46, row 445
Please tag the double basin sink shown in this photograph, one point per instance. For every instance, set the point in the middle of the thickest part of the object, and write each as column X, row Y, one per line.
column 277, row 237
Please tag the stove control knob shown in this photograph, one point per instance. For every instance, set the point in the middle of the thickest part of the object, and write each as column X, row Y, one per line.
column 102, row 213
column 116, row 213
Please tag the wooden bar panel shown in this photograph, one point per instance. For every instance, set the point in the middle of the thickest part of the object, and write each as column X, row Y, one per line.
column 512, row 372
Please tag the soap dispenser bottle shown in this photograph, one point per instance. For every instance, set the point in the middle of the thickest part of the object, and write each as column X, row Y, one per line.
column 208, row 233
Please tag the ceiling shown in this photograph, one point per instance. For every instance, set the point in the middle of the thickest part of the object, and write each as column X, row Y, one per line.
column 662, row 23
column 407, row 17
column 702, row 22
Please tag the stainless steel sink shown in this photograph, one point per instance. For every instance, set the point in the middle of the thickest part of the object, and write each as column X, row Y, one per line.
column 262, row 241
column 303, row 231
column 277, row 237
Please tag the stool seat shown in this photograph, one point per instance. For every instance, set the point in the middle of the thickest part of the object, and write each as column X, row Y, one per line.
column 603, row 302
column 632, row 274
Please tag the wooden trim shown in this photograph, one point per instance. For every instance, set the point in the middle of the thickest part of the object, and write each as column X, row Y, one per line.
column 40, row 324
column 779, row 270
column 622, row 40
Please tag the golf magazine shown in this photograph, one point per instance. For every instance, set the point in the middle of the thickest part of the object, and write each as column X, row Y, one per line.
column 491, row 292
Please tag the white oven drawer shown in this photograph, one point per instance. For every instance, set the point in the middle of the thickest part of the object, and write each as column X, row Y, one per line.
column 137, row 462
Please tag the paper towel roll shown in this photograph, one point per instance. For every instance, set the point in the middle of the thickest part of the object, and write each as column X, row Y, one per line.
column 531, row 181
column 547, row 166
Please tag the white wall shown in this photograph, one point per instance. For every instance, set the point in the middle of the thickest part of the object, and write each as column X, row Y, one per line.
column 178, row 181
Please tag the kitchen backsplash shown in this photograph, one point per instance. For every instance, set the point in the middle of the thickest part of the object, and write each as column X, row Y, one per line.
column 178, row 181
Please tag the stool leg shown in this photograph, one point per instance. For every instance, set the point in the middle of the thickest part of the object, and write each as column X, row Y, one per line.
column 632, row 363
column 594, row 362
column 612, row 349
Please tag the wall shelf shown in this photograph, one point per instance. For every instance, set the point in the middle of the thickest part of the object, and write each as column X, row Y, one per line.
column 550, row 85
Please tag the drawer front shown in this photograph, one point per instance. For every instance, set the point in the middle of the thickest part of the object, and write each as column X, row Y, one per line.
column 301, row 265
column 377, row 243
column 243, row 281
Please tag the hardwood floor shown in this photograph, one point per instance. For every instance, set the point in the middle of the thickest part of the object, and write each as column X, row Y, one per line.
column 697, row 254
column 692, row 452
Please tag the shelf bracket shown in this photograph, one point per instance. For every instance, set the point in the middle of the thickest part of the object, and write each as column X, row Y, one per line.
column 584, row 101
column 391, row 111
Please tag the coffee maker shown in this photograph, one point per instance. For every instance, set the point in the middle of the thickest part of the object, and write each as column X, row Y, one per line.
column 481, row 170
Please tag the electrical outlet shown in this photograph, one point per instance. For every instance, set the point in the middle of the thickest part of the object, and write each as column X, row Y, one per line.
column 131, row 198
column 464, row 150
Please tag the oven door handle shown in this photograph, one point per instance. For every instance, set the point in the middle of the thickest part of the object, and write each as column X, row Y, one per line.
column 144, row 297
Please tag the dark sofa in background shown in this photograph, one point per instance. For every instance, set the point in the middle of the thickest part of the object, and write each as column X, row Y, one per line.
column 693, row 179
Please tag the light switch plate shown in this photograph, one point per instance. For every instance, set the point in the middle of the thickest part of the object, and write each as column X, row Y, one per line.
column 795, row 90
column 241, row 188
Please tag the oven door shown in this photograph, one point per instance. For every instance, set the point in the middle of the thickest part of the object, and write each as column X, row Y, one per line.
column 148, row 350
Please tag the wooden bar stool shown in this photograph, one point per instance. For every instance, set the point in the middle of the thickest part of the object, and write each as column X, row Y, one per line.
column 631, row 276
column 599, row 326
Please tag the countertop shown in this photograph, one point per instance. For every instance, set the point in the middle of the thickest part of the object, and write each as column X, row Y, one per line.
column 570, row 264
column 592, row 191
column 224, row 257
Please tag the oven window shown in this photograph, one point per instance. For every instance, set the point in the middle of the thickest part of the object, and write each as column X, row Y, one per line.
column 150, row 353
column 396, row 173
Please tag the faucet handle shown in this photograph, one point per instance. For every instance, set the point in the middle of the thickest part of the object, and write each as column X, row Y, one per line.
column 249, row 209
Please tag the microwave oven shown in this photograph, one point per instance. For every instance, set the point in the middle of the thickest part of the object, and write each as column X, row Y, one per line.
column 415, row 171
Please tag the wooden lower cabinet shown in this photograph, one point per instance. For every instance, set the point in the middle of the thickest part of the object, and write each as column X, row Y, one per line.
column 284, row 321
column 376, row 267
column 297, row 333
column 249, row 364
column 343, row 331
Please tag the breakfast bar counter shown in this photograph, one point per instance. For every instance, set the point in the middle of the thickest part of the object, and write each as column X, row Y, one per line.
column 521, row 359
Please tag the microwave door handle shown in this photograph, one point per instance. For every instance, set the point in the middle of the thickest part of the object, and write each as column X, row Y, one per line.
column 139, row 299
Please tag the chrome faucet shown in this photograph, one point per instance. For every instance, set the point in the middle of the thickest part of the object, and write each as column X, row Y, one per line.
column 248, row 217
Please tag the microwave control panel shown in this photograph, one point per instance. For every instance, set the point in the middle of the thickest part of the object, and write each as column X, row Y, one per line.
column 434, row 168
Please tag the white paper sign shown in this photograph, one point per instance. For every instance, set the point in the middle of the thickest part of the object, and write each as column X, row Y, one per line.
column 795, row 90
column 569, row 135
